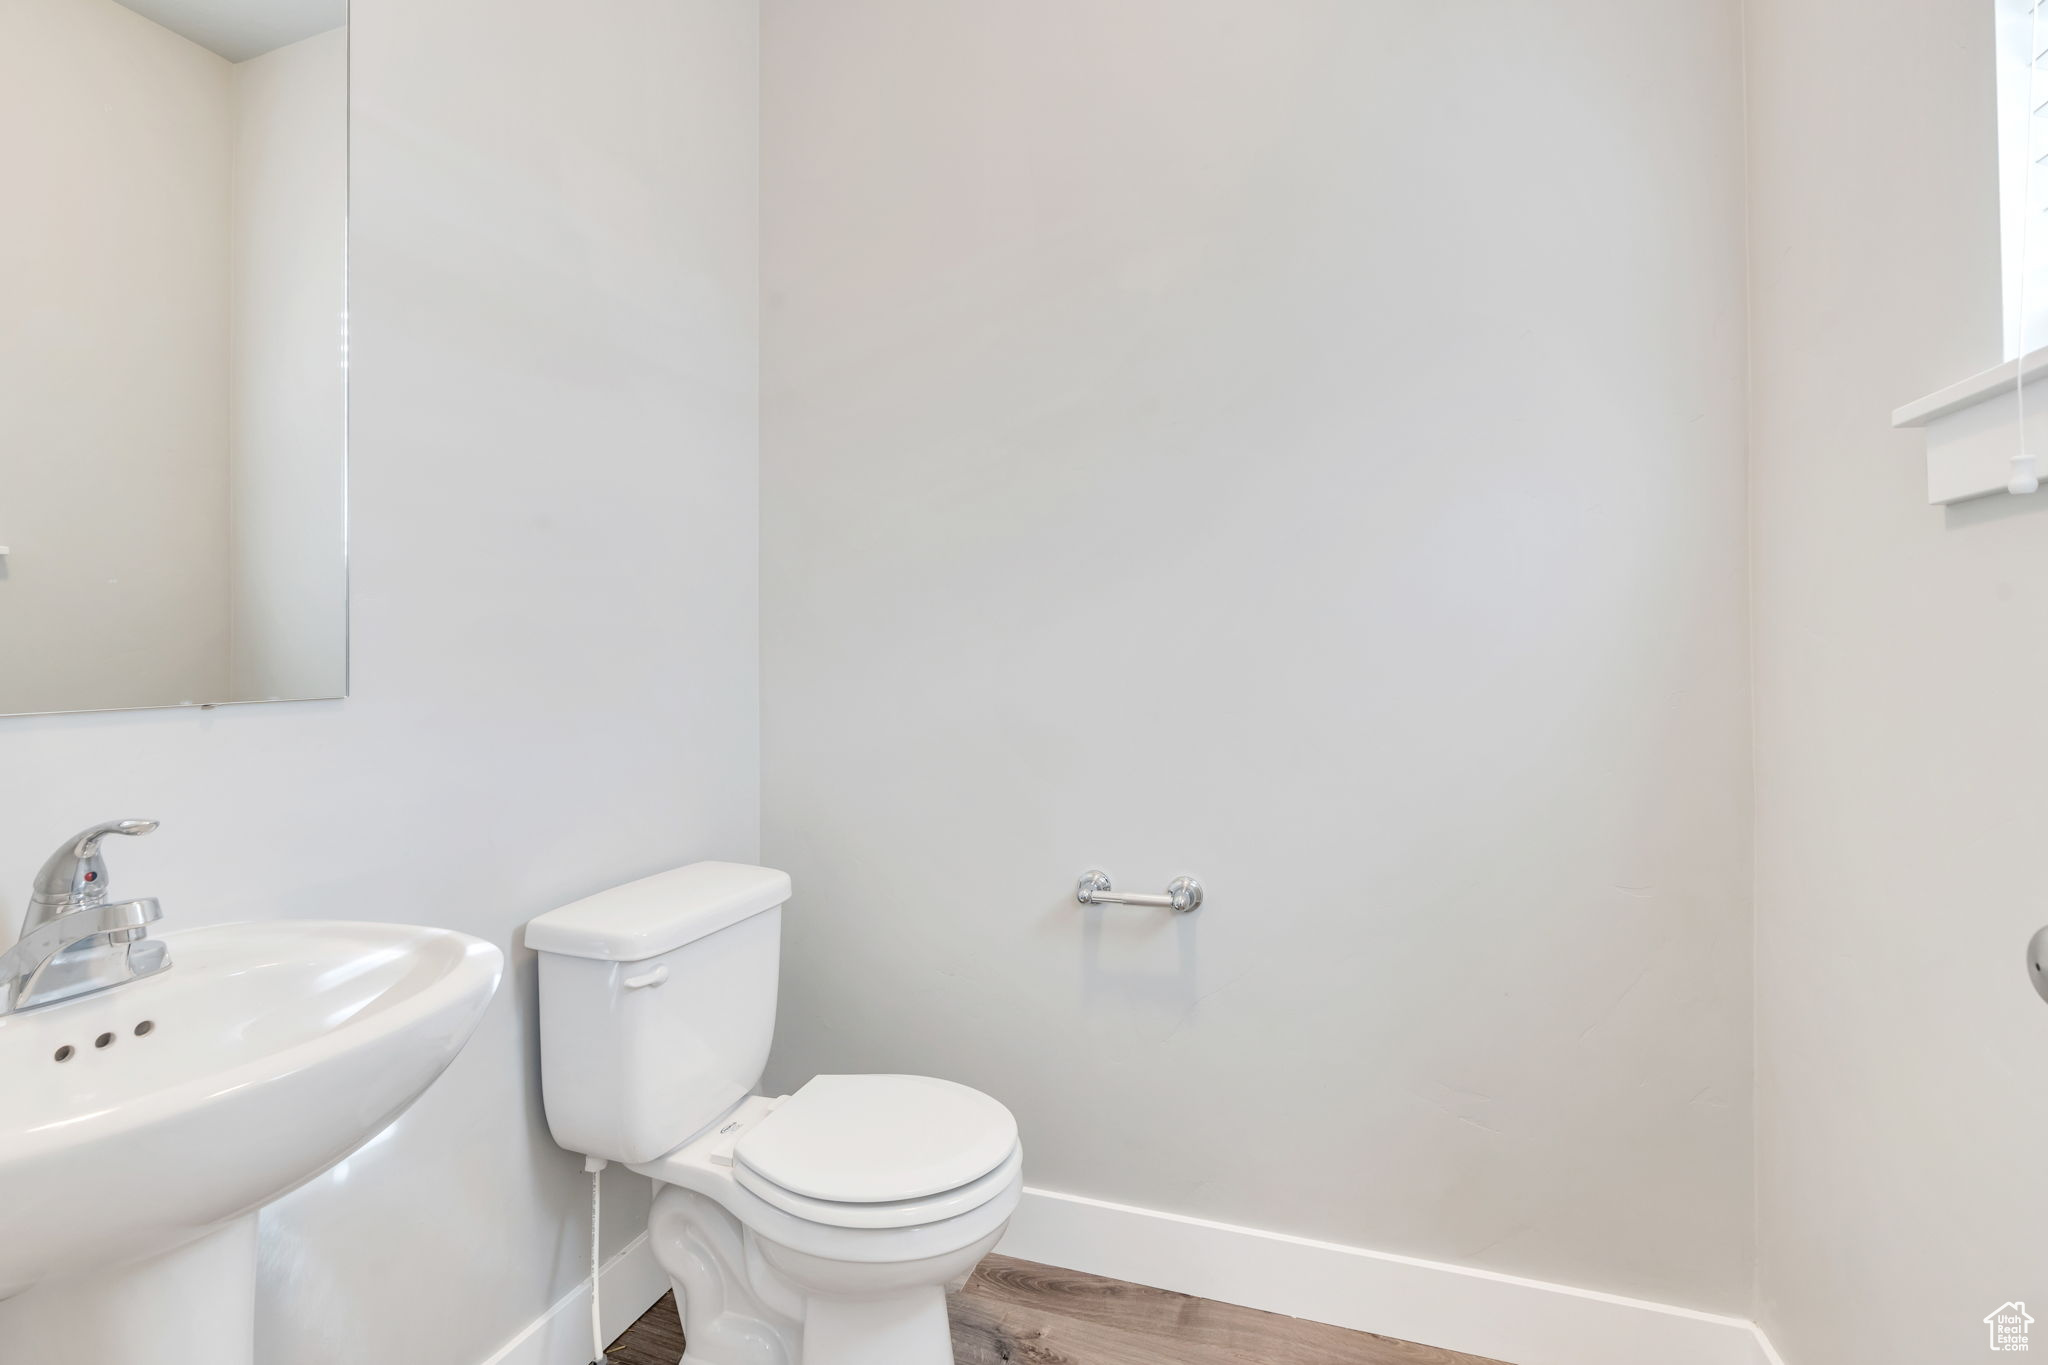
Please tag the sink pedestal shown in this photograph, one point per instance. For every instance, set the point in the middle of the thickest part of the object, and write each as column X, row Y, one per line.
column 192, row 1306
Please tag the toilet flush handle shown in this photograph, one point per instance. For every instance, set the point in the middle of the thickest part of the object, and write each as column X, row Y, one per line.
column 645, row 979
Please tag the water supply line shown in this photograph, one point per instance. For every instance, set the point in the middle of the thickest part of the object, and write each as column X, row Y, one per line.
column 595, row 1165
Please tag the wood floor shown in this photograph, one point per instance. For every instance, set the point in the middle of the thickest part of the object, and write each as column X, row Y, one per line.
column 1019, row 1313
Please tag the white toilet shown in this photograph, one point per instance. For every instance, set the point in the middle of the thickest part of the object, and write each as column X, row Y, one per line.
column 821, row 1228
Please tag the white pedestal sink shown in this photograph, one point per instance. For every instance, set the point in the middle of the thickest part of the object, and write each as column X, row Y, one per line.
column 132, row 1165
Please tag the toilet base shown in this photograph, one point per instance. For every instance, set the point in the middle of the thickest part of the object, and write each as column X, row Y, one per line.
column 747, row 1300
column 726, row 1320
column 905, row 1329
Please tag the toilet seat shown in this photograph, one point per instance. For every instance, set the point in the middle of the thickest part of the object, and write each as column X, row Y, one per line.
column 706, row 1165
column 899, row 1213
column 874, row 1140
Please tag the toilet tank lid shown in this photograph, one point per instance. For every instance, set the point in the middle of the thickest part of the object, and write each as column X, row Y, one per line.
column 646, row 918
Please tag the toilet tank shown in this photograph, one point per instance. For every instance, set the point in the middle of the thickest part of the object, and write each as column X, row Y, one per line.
column 657, row 1006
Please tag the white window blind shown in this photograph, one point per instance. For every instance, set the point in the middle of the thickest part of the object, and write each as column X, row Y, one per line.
column 2023, row 171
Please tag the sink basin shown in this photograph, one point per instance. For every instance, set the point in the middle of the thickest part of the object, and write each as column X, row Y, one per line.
column 158, row 1116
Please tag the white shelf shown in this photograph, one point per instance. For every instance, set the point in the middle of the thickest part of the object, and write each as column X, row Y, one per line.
column 1973, row 432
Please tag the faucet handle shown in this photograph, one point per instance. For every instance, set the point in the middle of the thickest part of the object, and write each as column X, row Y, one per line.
column 87, row 841
column 75, row 874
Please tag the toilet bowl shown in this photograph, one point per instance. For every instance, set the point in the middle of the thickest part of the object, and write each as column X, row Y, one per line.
column 823, row 1227
column 766, row 1273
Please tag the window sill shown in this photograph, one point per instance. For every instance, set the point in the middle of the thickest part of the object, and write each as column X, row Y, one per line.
column 1973, row 429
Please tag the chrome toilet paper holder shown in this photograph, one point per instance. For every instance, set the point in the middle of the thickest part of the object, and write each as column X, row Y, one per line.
column 1183, row 894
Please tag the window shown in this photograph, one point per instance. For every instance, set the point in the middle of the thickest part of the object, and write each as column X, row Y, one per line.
column 1988, row 434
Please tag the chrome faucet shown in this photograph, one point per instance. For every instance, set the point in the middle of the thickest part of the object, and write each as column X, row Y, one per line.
column 73, row 941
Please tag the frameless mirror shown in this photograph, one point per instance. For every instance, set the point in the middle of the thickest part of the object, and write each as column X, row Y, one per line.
column 173, row 296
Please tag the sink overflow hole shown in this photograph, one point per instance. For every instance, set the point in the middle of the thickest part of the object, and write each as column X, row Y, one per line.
column 64, row 1053
column 144, row 1027
column 104, row 1040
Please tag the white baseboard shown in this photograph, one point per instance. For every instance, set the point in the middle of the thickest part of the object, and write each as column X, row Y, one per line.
column 631, row 1282
column 1478, row 1312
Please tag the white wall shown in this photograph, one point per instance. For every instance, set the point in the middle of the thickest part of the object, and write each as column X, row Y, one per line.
column 113, row 344
column 1902, row 765
column 1298, row 444
column 553, row 539
column 288, row 563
